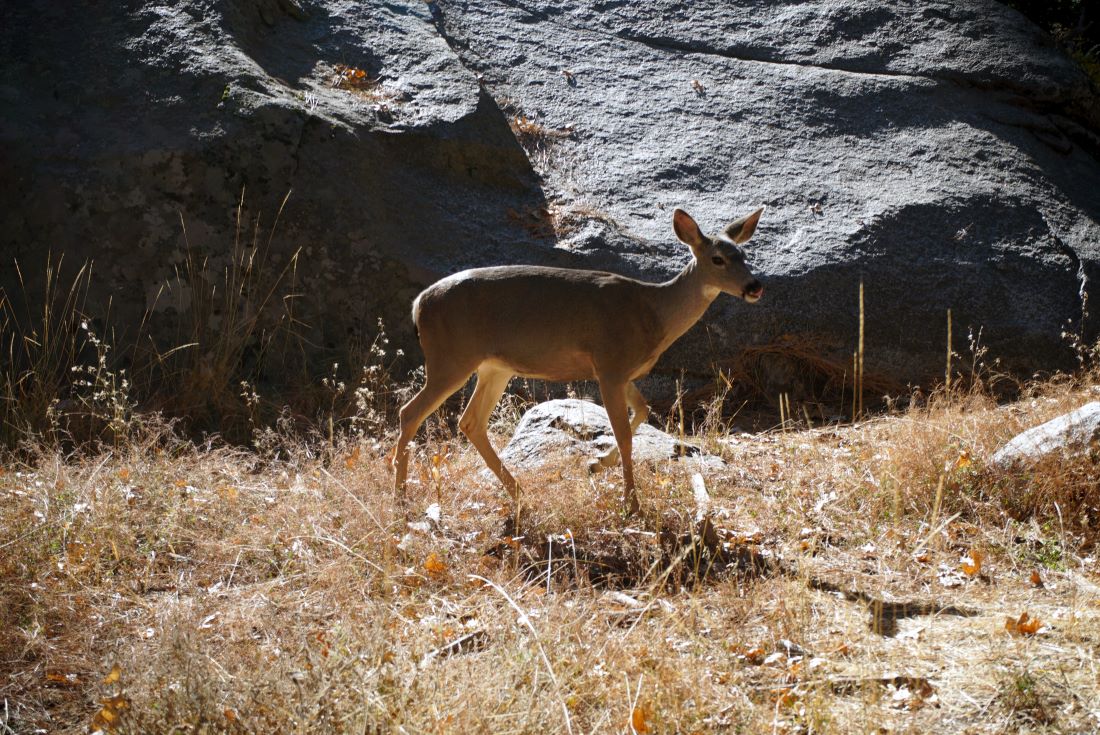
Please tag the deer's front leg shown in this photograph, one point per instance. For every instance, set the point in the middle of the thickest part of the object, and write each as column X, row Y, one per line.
column 638, row 405
column 614, row 394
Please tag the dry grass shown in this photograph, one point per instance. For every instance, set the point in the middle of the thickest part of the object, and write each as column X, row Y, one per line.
column 238, row 593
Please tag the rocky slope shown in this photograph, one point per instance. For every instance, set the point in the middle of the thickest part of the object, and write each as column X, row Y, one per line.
column 941, row 152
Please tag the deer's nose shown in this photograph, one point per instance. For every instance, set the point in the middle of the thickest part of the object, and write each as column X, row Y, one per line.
column 754, row 290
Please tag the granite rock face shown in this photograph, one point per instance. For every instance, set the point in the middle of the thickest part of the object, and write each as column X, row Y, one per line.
column 938, row 151
column 127, row 125
column 944, row 153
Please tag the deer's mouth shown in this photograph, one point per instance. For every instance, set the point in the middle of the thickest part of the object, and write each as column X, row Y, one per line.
column 753, row 293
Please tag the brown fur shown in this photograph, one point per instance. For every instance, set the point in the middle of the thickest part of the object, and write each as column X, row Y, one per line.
column 560, row 325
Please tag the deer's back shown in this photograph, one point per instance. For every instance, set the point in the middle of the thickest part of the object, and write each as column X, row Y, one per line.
column 553, row 323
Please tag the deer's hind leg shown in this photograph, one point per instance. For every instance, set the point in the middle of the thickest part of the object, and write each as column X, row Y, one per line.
column 491, row 383
column 440, row 383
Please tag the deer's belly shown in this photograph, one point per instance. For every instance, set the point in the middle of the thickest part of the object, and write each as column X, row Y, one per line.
column 560, row 367
column 645, row 368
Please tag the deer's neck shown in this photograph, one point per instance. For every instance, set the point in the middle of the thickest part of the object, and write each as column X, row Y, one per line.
column 683, row 300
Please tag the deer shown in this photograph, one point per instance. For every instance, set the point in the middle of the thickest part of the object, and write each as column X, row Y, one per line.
column 563, row 324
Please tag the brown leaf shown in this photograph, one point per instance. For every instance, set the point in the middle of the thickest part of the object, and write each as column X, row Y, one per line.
column 1036, row 578
column 638, row 719
column 1022, row 626
column 434, row 565
column 785, row 696
column 68, row 680
column 972, row 564
column 110, row 713
column 754, row 656
column 352, row 459
column 114, row 676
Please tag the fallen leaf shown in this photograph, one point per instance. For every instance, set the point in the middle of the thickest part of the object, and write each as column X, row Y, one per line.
column 755, row 656
column 972, row 563
column 124, row 474
column 785, row 696
column 110, row 713
column 114, row 676
column 1036, row 578
column 69, row 680
column 638, row 719
column 963, row 461
column 434, row 565
column 1022, row 626
column 352, row 459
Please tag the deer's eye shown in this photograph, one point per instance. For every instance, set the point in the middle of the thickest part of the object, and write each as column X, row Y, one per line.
column 717, row 261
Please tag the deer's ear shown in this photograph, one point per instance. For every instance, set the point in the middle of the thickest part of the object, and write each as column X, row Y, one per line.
column 741, row 230
column 686, row 229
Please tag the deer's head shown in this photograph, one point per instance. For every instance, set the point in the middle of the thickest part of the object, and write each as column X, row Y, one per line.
column 719, row 260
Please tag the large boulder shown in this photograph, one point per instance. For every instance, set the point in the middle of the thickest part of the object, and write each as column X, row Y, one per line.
column 938, row 151
column 123, row 125
column 942, row 152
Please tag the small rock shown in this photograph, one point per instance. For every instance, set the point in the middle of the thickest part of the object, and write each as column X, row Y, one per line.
column 1075, row 431
column 581, row 428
